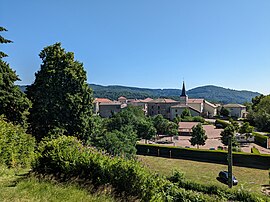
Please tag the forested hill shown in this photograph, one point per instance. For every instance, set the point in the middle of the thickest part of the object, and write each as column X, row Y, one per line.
column 210, row 93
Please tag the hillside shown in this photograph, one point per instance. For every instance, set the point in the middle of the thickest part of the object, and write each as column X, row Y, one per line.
column 211, row 93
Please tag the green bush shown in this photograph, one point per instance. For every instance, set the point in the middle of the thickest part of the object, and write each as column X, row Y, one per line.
column 221, row 124
column 17, row 149
column 66, row 158
column 254, row 150
column 228, row 194
column 260, row 139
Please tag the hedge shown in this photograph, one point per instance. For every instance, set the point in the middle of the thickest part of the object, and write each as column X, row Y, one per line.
column 260, row 139
column 254, row 150
column 261, row 161
column 222, row 123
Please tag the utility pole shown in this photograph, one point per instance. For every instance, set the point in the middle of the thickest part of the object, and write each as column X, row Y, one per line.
column 230, row 161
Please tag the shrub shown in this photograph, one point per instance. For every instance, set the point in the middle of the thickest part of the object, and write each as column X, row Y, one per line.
column 221, row 124
column 254, row 150
column 65, row 157
column 16, row 147
column 260, row 139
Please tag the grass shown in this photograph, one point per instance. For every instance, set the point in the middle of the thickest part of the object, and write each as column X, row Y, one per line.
column 250, row 179
column 14, row 186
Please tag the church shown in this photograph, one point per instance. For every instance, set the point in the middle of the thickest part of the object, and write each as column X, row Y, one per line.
column 170, row 108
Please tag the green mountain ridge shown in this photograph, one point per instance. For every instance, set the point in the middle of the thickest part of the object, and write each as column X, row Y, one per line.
column 210, row 92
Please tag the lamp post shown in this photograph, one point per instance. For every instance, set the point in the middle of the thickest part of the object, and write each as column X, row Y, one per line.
column 230, row 161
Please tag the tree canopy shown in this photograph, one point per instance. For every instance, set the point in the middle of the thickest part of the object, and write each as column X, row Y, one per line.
column 228, row 131
column 198, row 136
column 62, row 100
column 14, row 104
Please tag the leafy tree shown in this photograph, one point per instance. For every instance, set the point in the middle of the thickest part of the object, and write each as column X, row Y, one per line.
column 255, row 101
column 198, row 136
column 185, row 113
column 14, row 104
column 118, row 142
column 246, row 128
column 235, row 124
column 146, row 129
column 260, row 115
column 224, row 112
column 61, row 97
column 164, row 126
column 228, row 131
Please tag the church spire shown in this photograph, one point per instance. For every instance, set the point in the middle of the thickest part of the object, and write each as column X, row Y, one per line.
column 183, row 90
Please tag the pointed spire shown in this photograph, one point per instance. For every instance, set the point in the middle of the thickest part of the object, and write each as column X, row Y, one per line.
column 183, row 90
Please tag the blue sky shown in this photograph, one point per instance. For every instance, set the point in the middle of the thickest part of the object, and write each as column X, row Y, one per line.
column 146, row 43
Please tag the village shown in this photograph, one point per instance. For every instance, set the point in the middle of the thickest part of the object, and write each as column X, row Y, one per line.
column 170, row 109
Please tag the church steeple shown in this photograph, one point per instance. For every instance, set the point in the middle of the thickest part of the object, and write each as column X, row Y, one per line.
column 183, row 90
column 183, row 96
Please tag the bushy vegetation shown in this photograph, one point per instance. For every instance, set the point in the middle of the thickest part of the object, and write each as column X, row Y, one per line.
column 254, row 150
column 225, row 194
column 221, row 124
column 65, row 158
column 260, row 139
column 259, row 115
column 17, row 149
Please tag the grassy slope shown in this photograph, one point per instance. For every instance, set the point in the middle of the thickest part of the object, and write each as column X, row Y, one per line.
column 15, row 187
column 250, row 179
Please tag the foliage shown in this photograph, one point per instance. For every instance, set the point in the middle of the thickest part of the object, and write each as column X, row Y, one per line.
column 260, row 139
column 17, row 149
column 164, row 126
column 222, row 193
column 224, row 112
column 66, row 158
column 186, row 113
column 198, row 136
column 254, row 150
column 260, row 114
column 221, row 124
column 235, row 124
column 246, row 128
column 13, row 103
column 189, row 119
column 61, row 97
column 118, row 142
column 228, row 131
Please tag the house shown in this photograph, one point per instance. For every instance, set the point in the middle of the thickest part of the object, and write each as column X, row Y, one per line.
column 122, row 99
column 97, row 102
column 106, row 110
column 161, row 106
column 141, row 103
column 236, row 110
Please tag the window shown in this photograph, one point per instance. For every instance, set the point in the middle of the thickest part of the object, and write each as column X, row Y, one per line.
column 158, row 107
column 176, row 110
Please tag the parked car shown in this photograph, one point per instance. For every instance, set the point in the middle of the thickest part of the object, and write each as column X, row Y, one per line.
column 224, row 177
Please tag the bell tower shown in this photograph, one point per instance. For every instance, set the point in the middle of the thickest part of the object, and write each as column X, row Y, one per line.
column 183, row 96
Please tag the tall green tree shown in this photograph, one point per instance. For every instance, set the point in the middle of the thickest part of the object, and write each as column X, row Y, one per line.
column 198, row 136
column 62, row 100
column 14, row 104
column 228, row 131
column 186, row 113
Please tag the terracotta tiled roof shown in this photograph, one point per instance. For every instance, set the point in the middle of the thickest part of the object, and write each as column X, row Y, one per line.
column 197, row 101
column 162, row 100
column 234, row 106
column 102, row 100
column 187, row 125
column 147, row 99
column 122, row 98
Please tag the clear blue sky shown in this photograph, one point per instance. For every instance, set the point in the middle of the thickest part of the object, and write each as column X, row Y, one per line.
column 146, row 43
